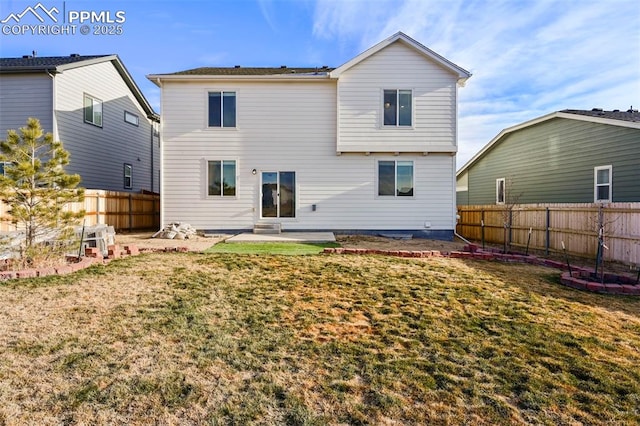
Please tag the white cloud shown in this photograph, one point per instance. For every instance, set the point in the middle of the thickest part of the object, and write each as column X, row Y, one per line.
column 529, row 58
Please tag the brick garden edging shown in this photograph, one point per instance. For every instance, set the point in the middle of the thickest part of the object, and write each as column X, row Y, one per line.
column 575, row 280
column 93, row 256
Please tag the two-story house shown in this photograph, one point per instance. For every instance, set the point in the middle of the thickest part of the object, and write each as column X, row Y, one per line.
column 92, row 105
column 368, row 146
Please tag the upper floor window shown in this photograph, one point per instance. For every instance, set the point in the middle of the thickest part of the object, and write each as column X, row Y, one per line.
column 395, row 178
column 500, row 191
column 602, row 184
column 128, row 176
column 222, row 109
column 92, row 110
column 221, row 179
column 131, row 118
column 397, row 108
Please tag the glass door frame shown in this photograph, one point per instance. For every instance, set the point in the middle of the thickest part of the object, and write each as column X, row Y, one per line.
column 277, row 193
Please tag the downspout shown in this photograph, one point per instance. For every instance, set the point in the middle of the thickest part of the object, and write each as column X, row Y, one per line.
column 160, row 136
column 152, row 164
column 454, row 183
column 54, row 120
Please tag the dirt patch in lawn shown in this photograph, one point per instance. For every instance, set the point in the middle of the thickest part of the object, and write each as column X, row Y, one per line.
column 384, row 243
column 144, row 240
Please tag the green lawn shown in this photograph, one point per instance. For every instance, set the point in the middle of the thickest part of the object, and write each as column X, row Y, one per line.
column 271, row 248
column 319, row 339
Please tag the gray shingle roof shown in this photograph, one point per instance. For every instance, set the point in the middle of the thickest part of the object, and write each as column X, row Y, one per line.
column 255, row 71
column 41, row 63
column 629, row 115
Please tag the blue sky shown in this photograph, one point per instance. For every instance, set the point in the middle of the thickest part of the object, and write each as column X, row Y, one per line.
column 528, row 57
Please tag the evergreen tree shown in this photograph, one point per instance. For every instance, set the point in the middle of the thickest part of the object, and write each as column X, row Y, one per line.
column 36, row 189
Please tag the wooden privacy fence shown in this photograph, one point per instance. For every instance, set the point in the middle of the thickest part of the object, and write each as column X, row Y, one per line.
column 124, row 211
column 577, row 225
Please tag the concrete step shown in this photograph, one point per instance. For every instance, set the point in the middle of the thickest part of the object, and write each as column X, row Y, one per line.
column 267, row 228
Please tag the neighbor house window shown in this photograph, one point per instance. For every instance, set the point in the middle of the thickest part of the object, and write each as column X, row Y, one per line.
column 92, row 110
column 2, row 168
column 397, row 108
column 395, row 178
column 131, row 118
column 222, row 109
column 221, row 178
column 602, row 184
column 128, row 176
column 500, row 191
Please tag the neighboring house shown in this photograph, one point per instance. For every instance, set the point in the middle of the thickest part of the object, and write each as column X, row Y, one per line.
column 367, row 146
column 570, row 156
column 92, row 105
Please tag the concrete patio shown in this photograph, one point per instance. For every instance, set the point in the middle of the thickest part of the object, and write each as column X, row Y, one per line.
column 284, row 237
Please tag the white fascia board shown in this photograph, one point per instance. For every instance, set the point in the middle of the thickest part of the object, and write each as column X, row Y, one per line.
column 156, row 78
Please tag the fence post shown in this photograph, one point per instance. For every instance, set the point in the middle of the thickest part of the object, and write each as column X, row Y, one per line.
column 510, row 227
column 546, row 244
column 130, row 213
column 482, row 225
column 97, row 207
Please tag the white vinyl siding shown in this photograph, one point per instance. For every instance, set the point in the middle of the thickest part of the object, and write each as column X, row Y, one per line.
column 289, row 126
column 361, row 94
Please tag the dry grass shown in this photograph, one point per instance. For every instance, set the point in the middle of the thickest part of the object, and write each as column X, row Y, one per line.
column 243, row 339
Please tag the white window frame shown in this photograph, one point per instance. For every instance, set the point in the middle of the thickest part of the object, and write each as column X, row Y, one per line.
column 206, row 183
column 397, row 125
column 395, row 179
column 128, row 174
column 597, row 185
column 131, row 118
column 504, row 190
column 94, row 102
column 206, row 109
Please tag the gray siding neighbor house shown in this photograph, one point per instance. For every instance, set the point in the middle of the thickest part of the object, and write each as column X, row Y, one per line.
column 569, row 156
column 92, row 105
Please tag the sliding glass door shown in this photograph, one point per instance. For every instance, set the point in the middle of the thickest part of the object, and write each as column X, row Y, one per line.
column 278, row 194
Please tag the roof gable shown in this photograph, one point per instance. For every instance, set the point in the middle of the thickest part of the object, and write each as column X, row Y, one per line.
column 630, row 118
column 400, row 37
column 59, row 64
